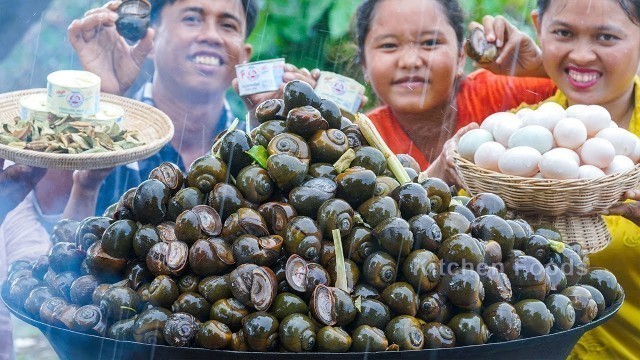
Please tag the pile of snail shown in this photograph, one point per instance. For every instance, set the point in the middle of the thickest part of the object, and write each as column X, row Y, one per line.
column 239, row 253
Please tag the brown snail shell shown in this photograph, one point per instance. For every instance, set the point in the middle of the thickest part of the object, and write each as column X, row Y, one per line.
column 212, row 256
column 260, row 331
column 170, row 175
column 351, row 270
column 401, row 298
column 328, row 145
column 303, row 276
column 297, row 333
column 88, row 319
column 478, row 49
column 263, row 133
column 244, row 221
column 82, row 289
column 255, row 286
column 149, row 325
column 497, row 286
column 354, row 135
column 335, row 214
column 271, row 109
column 180, row 329
column 277, row 216
column 379, row 269
column 368, row 338
column 287, row 171
column 213, row 335
column 305, row 121
column 168, row 258
column 227, row 199
column 359, row 244
column 377, row 209
column 311, row 194
column 463, row 288
column 199, row 222
column 64, row 231
column 503, row 321
column 303, row 237
column 255, row 184
column 435, row 307
column 229, row 312
column 422, row 269
column 290, row 144
column 264, row 251
column 406, row 332
column 395, row 236
column 332, row 306
column 438, row 336
column 356, row 185
column 101, row 264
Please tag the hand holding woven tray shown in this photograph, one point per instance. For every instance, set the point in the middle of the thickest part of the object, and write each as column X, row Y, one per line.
column 154, row 128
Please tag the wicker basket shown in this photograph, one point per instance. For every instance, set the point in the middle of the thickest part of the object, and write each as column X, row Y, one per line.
column 590, row 231
column 154, row 127
column 549, row 197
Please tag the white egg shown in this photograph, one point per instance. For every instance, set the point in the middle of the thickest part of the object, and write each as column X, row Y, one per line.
column 470, row 141
column 519, row 161
column 620, row 163
column 524, row 112
column 623, row 141
column 538, row 175
column 598, row 152
column 613, row 124
column 574, row 111
column 547, row 115
column 570, row 133
column 535, row 136
column 489, row 122
column 568, row 153
column 556, row 166
column 505, row 126
column 590, row 172
column 594, row 118
column 635, row 154
column 488, row 154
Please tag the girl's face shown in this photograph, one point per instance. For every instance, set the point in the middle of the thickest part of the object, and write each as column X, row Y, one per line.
column 591, row 49
column 411, row 55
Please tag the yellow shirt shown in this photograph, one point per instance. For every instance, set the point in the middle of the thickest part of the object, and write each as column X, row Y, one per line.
column 618, row 338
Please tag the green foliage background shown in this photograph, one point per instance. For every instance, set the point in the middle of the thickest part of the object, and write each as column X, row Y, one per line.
column 308, row 33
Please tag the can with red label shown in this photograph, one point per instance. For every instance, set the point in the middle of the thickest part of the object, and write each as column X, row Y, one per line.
column 260, row 76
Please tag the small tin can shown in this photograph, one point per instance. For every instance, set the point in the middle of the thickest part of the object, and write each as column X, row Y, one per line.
column 260, row 76
column 344, row 91
column 33, row 108
column 73, row 92
column 108, row 113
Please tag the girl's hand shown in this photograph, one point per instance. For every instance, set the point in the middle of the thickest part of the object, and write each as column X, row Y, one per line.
column 16, row 181
column 629, row 210
column 518, row 53
column 443, row 166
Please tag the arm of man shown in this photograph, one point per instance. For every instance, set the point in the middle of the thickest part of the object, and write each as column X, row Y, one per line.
column 104, row 52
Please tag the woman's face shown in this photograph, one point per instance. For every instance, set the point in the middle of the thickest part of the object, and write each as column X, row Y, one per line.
column 591, row 49
column 411, row 55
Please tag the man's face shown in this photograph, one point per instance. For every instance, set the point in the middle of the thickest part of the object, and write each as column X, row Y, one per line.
column 197, row 45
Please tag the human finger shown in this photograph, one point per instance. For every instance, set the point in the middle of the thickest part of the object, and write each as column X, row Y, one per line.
column 488, row 23
column 473, row 25
column 632, row 195
column 315, row 73
column 143, row 47
column 500, row 28
column 112, row 5
column 89, row 26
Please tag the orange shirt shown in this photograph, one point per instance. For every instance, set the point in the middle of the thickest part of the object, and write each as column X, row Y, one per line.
column 481, row 94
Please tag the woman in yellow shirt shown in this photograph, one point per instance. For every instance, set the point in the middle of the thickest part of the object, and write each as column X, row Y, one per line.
column 591, row 50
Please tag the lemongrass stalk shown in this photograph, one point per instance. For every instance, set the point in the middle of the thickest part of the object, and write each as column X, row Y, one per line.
column 374, row 139
column 233, row 126
column 341, row 281
column 345, row 161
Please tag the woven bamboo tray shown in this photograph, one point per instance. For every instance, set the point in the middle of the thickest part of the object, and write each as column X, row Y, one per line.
column 549, row 197
column 590, row 231
column 154, row 127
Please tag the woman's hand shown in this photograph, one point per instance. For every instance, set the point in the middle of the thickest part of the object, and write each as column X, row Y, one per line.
column 443, row 166
column 628, row 210
column 84, row 193
column 518, row 53
column 104, row 52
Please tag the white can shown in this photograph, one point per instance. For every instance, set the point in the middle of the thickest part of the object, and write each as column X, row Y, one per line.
column 260, row 76
column 108, row 113
column 344, row 91
column 73, row 92
column 33, row 107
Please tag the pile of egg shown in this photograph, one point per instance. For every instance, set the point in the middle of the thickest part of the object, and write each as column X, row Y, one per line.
column 581, row 142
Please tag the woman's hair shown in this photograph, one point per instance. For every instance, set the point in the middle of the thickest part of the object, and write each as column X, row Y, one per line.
column 630, row 7
column 250, row 10
column 366, row 11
